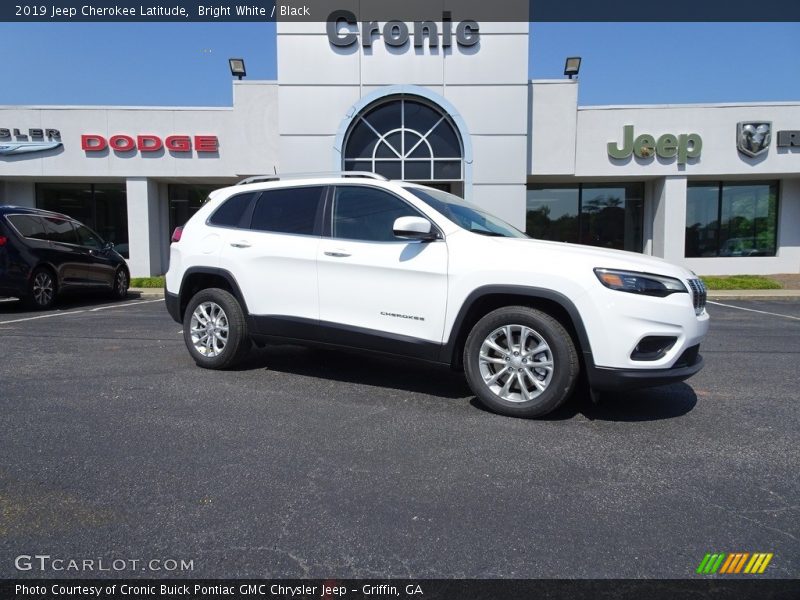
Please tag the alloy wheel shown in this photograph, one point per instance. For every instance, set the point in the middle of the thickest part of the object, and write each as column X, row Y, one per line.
column 209, row 329
column 516, row 363
column 43, row 288
column 121, row 283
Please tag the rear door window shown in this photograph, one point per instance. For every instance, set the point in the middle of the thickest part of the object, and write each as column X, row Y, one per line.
column 60, row 230
column 289, row 210
column 29, row 226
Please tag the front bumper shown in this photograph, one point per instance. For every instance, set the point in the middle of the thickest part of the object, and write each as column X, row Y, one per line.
column 615, row 380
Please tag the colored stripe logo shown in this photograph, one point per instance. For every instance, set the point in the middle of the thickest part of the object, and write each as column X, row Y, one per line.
column 733, row 563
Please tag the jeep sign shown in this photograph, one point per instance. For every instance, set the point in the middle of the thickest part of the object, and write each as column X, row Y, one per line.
column 668, row 145
column 342, row 28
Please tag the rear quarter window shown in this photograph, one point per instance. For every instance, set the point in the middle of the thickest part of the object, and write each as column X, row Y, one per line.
column 29, row 226
column 233, row 211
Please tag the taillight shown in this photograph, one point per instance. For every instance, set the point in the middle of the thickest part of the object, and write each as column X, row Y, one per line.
column 176, row 235
column 3, row 240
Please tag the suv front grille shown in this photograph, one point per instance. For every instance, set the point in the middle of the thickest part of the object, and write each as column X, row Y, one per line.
column 699, row 295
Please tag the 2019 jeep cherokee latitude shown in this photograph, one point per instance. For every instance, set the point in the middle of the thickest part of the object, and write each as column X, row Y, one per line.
column 400, row 268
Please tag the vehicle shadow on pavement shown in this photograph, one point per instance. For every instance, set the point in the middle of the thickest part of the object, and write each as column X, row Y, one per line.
column 350, row 366
column 667, row 402
column 653, row 404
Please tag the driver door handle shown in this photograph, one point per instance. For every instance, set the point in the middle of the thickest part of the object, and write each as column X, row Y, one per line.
column 337, row 254
column 241, row 244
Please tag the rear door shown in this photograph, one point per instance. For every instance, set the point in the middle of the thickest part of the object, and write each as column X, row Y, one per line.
column 65, row 254
column 273, row 258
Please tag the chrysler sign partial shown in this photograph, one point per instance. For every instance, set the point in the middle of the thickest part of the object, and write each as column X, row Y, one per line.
column 91, row 142
column 13, row 141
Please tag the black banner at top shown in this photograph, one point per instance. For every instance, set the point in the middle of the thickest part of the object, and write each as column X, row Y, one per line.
column 397, row 10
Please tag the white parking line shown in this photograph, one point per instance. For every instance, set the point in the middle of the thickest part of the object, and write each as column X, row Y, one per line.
column 75, row 312
column 763, row 312
column 134, row 303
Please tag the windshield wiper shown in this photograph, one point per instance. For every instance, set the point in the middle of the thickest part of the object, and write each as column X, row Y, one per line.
column 487, row 232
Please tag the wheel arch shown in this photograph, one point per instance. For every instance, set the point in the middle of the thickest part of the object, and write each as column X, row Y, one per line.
column 57, row 273
column 485, row 299
column 199, row 278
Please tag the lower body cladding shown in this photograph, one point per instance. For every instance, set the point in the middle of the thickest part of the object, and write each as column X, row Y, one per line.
column 680, row 350
column 611, row 379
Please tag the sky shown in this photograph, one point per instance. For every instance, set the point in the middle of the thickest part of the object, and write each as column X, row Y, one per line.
column 168, row 64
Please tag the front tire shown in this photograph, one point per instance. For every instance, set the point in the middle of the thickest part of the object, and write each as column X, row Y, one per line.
column 520, row 362
column 215, row 329
column 42, row 289
column 121, row 283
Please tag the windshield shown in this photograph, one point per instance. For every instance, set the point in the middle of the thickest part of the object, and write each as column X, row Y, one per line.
column 464, row 214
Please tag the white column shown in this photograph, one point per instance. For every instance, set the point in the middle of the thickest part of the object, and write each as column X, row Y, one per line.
column 788, row 231
column 143, row 227
column 669, row 218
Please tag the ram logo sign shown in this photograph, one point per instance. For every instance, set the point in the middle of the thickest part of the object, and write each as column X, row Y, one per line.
column 753, row 137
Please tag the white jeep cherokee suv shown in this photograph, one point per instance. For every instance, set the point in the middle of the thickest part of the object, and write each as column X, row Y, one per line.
column 357, row 261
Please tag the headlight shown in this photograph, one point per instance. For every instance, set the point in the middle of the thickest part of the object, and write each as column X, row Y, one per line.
column 640, row 283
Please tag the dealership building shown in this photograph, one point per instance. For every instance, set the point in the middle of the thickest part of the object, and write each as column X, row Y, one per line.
column 715, row 187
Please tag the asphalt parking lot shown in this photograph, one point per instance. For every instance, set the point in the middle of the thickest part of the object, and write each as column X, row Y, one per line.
column 325, row 464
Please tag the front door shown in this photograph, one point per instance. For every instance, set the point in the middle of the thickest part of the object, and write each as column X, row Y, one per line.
column 100, row 269
column 373, row 282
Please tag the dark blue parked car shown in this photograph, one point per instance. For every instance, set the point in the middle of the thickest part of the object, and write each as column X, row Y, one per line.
column 44, row 254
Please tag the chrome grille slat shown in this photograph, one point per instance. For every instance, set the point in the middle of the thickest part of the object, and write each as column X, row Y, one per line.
column 699, row 295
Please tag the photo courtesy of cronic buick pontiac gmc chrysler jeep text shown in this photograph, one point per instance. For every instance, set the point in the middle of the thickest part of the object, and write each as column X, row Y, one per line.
column 357, row 261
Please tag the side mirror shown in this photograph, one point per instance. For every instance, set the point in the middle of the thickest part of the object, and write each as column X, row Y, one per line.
column 413, row 228
column 108, row 246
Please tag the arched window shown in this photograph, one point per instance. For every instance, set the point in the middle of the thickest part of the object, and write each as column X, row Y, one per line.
column 404, row 138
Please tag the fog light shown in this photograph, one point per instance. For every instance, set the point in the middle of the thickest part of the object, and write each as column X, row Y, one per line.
column 653, row 347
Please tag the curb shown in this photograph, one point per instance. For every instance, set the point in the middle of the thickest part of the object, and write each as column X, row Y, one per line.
column 150, row 293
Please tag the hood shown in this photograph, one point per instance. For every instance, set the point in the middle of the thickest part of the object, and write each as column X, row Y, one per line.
column 592, row 256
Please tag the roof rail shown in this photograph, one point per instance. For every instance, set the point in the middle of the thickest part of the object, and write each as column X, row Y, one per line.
column 343, row 174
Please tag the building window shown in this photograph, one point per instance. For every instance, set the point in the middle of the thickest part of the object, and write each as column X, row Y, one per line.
column 404, row 138
column 184, row 201
column 605, row 215
column 731, row 219
column 101, row 206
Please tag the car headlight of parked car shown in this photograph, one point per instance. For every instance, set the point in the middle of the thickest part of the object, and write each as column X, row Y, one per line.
column 640, row 283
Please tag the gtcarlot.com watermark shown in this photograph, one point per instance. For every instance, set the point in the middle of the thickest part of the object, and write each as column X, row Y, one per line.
column 47, row 563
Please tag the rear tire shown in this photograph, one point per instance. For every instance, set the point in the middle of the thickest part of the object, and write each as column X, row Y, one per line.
column 41, row 289
column 215, row 329
column 520, row 362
